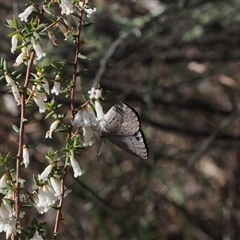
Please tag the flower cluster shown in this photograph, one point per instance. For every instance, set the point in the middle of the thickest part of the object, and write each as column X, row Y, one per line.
column 26, row 39
column 67, row 8
column 46, row 197
column 7, row 218
column 8, row 222
column 48, row 193
column 87, row 118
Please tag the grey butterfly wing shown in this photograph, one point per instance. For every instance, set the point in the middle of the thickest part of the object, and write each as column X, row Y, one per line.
column 121, row 119
column 134, row 144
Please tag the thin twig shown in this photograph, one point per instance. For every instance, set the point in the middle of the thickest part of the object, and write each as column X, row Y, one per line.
column 21, row 135
column 65, row 170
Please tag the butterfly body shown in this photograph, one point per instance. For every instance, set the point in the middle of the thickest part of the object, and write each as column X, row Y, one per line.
column 121, row 126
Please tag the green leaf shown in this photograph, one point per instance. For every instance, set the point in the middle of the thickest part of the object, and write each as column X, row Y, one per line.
column 13, row 33
column 43, row 35
column 81, row 56
column 87, row 24
column 26, row 43
column 15, row 128
column 61, row 130
column 75, row 14
column 40, row 27
column 15, row 22
column 50, row 114
column 37, row 35
column 47, row 8
column 28, row 28
column 28, row 35
column 18, row 76
column 81, row 72
column 54, row 207
column 27, row 205
column 35, row 180
column 5, row 69
column 10, row 23
column 85, row 97
column 24, row 232
column 34, row 222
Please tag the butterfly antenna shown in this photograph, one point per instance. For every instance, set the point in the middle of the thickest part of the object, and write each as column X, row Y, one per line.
column 100, row 151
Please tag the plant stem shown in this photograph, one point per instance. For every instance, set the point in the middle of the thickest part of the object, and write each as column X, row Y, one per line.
column 74, row 79
column 21, row 136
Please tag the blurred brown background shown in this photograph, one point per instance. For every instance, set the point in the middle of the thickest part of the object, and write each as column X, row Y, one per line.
column 177, row 63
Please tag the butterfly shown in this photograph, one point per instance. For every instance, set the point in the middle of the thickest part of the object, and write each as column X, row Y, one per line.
column 121, row 125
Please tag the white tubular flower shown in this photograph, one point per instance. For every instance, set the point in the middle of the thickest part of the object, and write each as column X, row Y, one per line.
column 24, row 15
column 40, row 103
column 44, row 199
column 8, row 207
column 44, row 175
column 53, row 38
column 69, row 28
column 53, row 127
column 16, row 94
column 39, row 52
column 20, row 57
column 14, row 43
column 92, row 115
column 86, row 118
column 42, row 95
column 56, row 185
column 78, row 119
column 66, row 7
column 57, row 85
column 25, row 156
column 95, row 93
column 7, row 219
column 45, row 85
column 3, row 183
column 75, row 166
column 99, row 110
column 9, row 80
column 39, row 99
column 15, row 90
column 87, row 133
column 89, row 11
column 37, row 236
column 63, row 29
